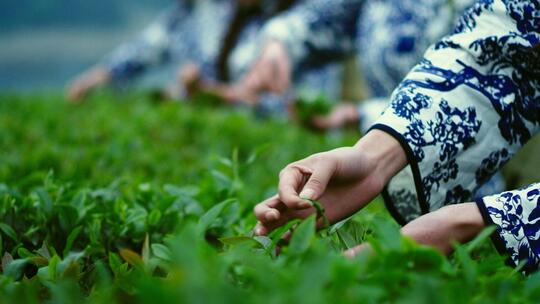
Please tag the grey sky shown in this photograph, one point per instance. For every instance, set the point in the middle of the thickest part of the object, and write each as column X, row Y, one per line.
column 45, row 57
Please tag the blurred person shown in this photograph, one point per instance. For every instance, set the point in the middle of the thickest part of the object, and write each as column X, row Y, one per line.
column 214, row 42
column 387, row 36
column 457, row 117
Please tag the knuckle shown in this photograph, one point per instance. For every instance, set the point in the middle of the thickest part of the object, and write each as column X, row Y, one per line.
column 287, row 169
column 316, row 184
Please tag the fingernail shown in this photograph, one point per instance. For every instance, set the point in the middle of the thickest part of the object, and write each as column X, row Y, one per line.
column 304, row 205
column 307, row 194
column 272, row 216
column 258, row 231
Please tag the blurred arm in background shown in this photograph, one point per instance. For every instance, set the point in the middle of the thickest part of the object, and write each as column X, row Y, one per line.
column 150, row 49
column 392, row 36
column 312, row 34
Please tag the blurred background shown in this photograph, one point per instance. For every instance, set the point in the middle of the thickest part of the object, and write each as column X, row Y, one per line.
column 44, row 43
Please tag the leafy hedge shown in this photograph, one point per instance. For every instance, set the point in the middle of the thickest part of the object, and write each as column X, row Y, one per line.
column 127, row 201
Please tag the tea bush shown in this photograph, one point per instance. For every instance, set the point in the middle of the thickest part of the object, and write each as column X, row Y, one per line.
column 122, row 200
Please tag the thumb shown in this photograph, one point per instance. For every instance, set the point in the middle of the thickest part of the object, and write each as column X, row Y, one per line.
column 317, row 182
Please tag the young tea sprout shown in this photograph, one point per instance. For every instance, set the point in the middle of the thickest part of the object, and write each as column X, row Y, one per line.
column 320, row 212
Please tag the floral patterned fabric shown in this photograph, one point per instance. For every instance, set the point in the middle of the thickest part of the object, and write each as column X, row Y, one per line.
column 388, row 36
column 516, row 215
column 462, row 113
column 193, row 31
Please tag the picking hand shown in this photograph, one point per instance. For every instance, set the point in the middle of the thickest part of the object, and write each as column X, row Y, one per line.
column 271, row 71
column 344, row 180
column 86, row 82
column 340, row 116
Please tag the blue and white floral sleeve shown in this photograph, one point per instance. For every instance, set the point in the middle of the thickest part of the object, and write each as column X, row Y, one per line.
column 150, row 48
column 317, row 31
column 516, row 214
column 467, row 108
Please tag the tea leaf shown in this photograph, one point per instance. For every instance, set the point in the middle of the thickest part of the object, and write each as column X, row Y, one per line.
column 7, row 230
column 211, row 215
column 161, row 251
column 71, row 238
column 132, row 258
column 303, row 236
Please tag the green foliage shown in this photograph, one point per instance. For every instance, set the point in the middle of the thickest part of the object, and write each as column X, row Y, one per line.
column 309, row 106
column 132, row 202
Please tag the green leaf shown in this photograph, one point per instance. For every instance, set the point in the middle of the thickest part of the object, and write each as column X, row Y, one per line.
column 146, row 250
column 211, row 215
column 53, row 267
column 72, row 270
column 467, row 264
column 116, row 263
column 6, row 259
column 15, row 268
column 186, row 191
column 154, row 217
column 67, row 215
column 44, row 251
column 235, row 240
column 302, row 236
column 264, row 241
column 278, row 234
column 39, row 261
column 45, row 200
column 480, row 238
column 132, row 258
column 7, row 230
column 162, row 252
column 24, row 253
column 145, row 187
column 71, row 238
column 387, row 233
column 320, row 212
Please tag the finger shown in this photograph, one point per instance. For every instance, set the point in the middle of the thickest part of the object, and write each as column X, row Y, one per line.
column 266, row 80
column 260, row 230
column 252, row 82
column 76, row 91
column 316, row 185
column 292, row 179
column 353, row 252
column 265, row 213
column 283, row 77
column 274, row 82
column 320, row 122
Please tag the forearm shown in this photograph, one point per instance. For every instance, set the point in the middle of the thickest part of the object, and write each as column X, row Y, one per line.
column 440, row 229
column 150, row 48
column 229, row 93
column 383, row 150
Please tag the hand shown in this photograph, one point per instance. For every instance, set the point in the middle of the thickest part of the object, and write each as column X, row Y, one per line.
column 344, row 180
column 340, row 116
column 88, row 81
column 270, row 73
column 189, row 77
column 440, row 229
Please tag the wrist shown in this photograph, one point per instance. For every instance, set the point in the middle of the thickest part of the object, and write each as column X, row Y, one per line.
column 352, row 113
column 277, row 47
column 100, row 74
column 384, row 151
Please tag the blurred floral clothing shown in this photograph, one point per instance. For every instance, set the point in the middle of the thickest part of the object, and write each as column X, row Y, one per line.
column 387, row 36
column 193, row 31
column 464, row 111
